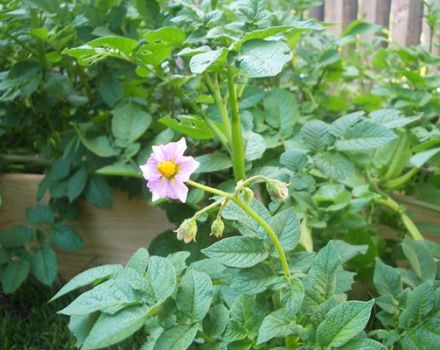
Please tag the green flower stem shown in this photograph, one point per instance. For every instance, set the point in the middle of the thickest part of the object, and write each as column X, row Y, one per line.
column 272, row 235
column 237, row 136
column 406, row 220
column 210, row 189
column 248, row 210
column 400, row 181
column 215, row 90
column 208, row 208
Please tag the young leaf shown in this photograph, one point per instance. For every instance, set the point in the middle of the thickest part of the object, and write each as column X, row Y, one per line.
column 315, row 135
column 40, row 214
column 391, row 118
column 340, row 126
column 16, row 236
column 253, row 280
column 14, row 275
column 129, row 122
column 88, row 277
column 294, row 159
column 364, row 344
column 419, row 304
column 111, row 329
column 255, row 146
column 139, row 260
column 281, row 109
column 44, row 265
column 161, row 279
column 273, row 326
column 98, row 192
column 215, row 323
column 286, row 226
column 176, row 338
column 81, row 325
column 263, row 58
column 190, row 125
column 213, row 162
column 237, row 251
column 365, row 136
column 66, row 238
column 421, row 158
column 110, row 297
column 343, row 323
column 203, row 61
column 334, row 165
column 387, row 280
column 421, row 261
column 77, row 183
column 194, row 296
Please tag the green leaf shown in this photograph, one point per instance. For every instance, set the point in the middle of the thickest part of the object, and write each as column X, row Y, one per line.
column 139, row 260
column 427, row 333
column 111, row 329
column 98, row 192
column 273, row 326
column 365, row 136
column 87, row 277
column 237, row 251
column 81, row 326
column 4, row 258
column 421, row 158
column 207, row 60
column 253, row 280
column 294, row 159
column 161, row 279
column 263, row 58
column 176, row 338
column 281, row 109
column 77, row 183
column 213, row 162
column 190, row 125
column 66, row 238
column 421, row 261
column 340, row 126
column 44, row 265
column 216, row 321
column 119, row 169
column 14, row 275
column 334, row 165
column 343, row 323
column 122, row 44
column 286, row 226
column 16, row 236
column 40, row 214
column 419, row 304
column 387, row 280
column 364, row 344
column 391, row 118
column 110, row 297
column 255, row 146
column 292, row 297
column 100, row 145
column 316, row 135
column 129, row 122
column 194, row 296
column 170, row 36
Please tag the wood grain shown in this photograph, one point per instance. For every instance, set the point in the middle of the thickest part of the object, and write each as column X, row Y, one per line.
column 406, row 21
column 111, row 236
column 340, row 12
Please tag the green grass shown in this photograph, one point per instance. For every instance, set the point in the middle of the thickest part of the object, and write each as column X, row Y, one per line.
column 28, row 322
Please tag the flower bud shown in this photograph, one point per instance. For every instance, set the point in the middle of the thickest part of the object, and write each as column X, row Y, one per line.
column 248, row 194
column 217, row 227
column 187, row 230
column 278, row 190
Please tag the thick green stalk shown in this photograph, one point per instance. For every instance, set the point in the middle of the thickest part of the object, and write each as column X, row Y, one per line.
column 406, row 220
column 215, row 90
column 248, row 210
column 400, row 181
column 237, row 144
column 397, row 158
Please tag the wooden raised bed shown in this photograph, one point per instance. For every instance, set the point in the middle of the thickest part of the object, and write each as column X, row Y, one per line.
column 111, row 236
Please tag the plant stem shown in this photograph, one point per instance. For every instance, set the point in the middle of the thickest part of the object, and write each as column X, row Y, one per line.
column 248, row 210
column 291, row 343
column 272, row 235
column 237, row 136
column 215, row 90
column 398, row 182
column 208, row 208
column 406, row 220
column 397, row 158
column 210, row 189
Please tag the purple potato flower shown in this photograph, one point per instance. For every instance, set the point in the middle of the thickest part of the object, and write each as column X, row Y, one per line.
column 168, row 169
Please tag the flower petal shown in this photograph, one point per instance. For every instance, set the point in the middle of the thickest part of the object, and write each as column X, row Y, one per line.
column 187, row 165
column 180, row 191
column 149, row 170
column 174, row 150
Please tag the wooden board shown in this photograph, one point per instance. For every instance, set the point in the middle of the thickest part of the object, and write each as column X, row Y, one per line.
column 340, row 12
column 111, row 236
column 406, row 21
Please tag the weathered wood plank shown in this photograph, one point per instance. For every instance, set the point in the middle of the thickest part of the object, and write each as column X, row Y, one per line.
column 317, row 12
column 111, row 236
column 426, row 33
column 341, row 12
column 406, row 21
column 376, row 11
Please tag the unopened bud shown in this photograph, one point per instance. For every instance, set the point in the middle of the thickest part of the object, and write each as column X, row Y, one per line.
column 217, row 227
column 248, row 194
column 278, row 190
column 187, row 230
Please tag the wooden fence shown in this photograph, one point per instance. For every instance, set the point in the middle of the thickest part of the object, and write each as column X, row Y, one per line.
column 403, row 18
